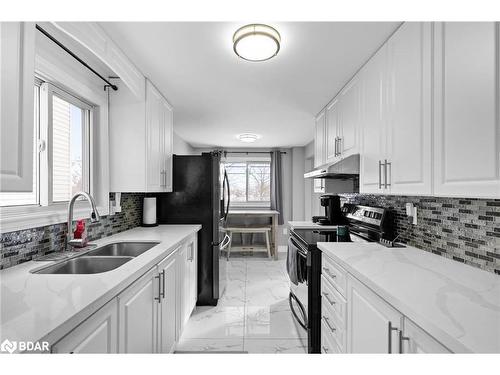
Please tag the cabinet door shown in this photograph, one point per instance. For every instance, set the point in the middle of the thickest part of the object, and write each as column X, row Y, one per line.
column 332, row 131
column 155, row 171
column 167, row 144
column 466, row 123
column 138, row 308
column 97, row 334
column 418, row 341
column 372, row 323
column 409, row 115
column 373, row 130
column 17, row 77
column 193, row 272
column 168, row 307
column 350, row 112
column 319, row 140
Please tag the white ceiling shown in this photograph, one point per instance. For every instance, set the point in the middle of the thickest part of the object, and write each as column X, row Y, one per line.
column 216, row 95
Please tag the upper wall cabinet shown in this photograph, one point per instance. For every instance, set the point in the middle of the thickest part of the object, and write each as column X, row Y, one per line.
column 319, row 139
column 349, row 120
column 466, row 109
column 409, row 158
column 17, row 63
column 332, row 115
column 396, row 119
column 141, row 134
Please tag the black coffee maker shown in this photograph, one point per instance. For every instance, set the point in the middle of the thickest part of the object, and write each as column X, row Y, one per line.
column 333, row 213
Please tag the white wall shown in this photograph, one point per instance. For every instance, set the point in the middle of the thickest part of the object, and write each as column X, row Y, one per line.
column 181, row 147
column 298, row 186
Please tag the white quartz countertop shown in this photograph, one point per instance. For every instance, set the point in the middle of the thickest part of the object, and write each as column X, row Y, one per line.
column 309, row 225
column 43, row 307
column 455, row 303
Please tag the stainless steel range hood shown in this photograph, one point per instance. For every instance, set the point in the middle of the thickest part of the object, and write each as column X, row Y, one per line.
column 344, row 169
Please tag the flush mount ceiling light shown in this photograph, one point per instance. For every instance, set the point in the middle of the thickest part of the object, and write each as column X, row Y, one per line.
column 248, row 137
column 256, row 42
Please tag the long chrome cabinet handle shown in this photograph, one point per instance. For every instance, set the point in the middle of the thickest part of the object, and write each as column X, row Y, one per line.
column 163, row 284
column 328, row 299
column 401, row 339
column 340, row 146
column 327, row 322
column 329, row 273
column 387, row 164
column 385, row 174
column 159, row 288
column 390, row 328
column 380, row 174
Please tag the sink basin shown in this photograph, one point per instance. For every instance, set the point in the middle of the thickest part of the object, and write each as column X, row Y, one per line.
column 126, row 249
column 86, row 265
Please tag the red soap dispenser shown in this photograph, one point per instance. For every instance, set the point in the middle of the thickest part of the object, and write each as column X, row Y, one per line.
column 80, row 232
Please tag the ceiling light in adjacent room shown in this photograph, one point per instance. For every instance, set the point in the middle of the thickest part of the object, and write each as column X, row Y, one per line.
column 248, row 137
column 256, row 42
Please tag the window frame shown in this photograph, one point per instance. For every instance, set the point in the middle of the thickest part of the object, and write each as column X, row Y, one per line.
column 250, row 203
column 48, row 91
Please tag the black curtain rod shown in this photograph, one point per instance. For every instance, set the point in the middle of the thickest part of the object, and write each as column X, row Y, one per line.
column 252, row 152
column 108, row 84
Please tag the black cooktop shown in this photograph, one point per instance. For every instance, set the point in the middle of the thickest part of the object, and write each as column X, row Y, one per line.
column 310, row 238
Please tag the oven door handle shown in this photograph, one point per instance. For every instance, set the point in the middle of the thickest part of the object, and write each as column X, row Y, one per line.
column 299, row 249
column 303, row 322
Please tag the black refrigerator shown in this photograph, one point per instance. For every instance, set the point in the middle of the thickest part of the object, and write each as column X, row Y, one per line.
column 201, row 196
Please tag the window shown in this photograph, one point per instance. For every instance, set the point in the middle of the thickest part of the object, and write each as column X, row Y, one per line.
column 250, row 182
column 61, row 149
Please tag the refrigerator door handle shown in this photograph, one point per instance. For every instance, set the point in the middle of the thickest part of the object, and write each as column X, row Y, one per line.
column 226, row 182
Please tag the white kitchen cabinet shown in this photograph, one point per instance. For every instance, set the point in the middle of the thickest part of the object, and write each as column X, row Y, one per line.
column 466, row 107
column 332, row 131
column 97, row 334
column 192, row 250
column 168, row 308
column 138, row 311
column 373, row 126
column 373, row 325
column 141, row 136
column 409, row 117
column 415, row 340
column 349, row 120
column 17, row 78
column 319, row 139
column 188, row 283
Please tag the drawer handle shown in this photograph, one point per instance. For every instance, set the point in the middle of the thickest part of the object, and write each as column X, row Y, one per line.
column 325, row 349
column 328, row 299
column 329, row 273
column 327, row 321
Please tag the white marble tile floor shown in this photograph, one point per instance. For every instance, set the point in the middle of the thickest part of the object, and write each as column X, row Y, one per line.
column 253, row 316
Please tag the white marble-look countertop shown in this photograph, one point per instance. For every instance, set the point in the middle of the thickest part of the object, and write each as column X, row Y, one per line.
column 36, row 307
column 457, row 304
column 309, row 225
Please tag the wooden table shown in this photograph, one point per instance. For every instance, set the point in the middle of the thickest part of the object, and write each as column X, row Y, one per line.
column 273, row 214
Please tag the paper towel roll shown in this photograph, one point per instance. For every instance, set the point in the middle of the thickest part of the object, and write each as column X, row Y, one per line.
column 149, row 211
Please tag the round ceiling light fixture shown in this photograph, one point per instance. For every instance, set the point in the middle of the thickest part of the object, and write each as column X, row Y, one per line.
column 256, row 42
column 248, row 137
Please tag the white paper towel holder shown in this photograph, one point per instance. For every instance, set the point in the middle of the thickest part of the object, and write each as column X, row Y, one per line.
column 149, row 218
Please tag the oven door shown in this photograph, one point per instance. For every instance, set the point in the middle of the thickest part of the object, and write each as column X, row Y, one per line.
column 297, row 297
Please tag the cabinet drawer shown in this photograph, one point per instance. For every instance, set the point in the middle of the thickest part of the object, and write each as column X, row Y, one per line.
column 328, row 345
column 333, row 301
column 331, row 327
column 334, row 274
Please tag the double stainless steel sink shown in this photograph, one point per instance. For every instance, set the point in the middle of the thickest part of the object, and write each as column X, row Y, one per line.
column 102, row 259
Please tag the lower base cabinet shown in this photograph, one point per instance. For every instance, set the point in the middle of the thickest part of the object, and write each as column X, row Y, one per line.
column 146, row 317
column 372, row 324
column 97, row 334
column 138, row 312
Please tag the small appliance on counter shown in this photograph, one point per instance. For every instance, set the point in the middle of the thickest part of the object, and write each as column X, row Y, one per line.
column 333, row 213
column 149, row 212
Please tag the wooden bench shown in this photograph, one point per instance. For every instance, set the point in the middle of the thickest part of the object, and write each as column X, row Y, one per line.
column 252, row 230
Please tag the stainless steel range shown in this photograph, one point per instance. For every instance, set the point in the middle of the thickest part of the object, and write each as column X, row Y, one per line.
column 364, row 224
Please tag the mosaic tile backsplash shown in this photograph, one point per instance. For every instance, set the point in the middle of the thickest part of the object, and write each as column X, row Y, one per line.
column 24, row 245
column 465, row 230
